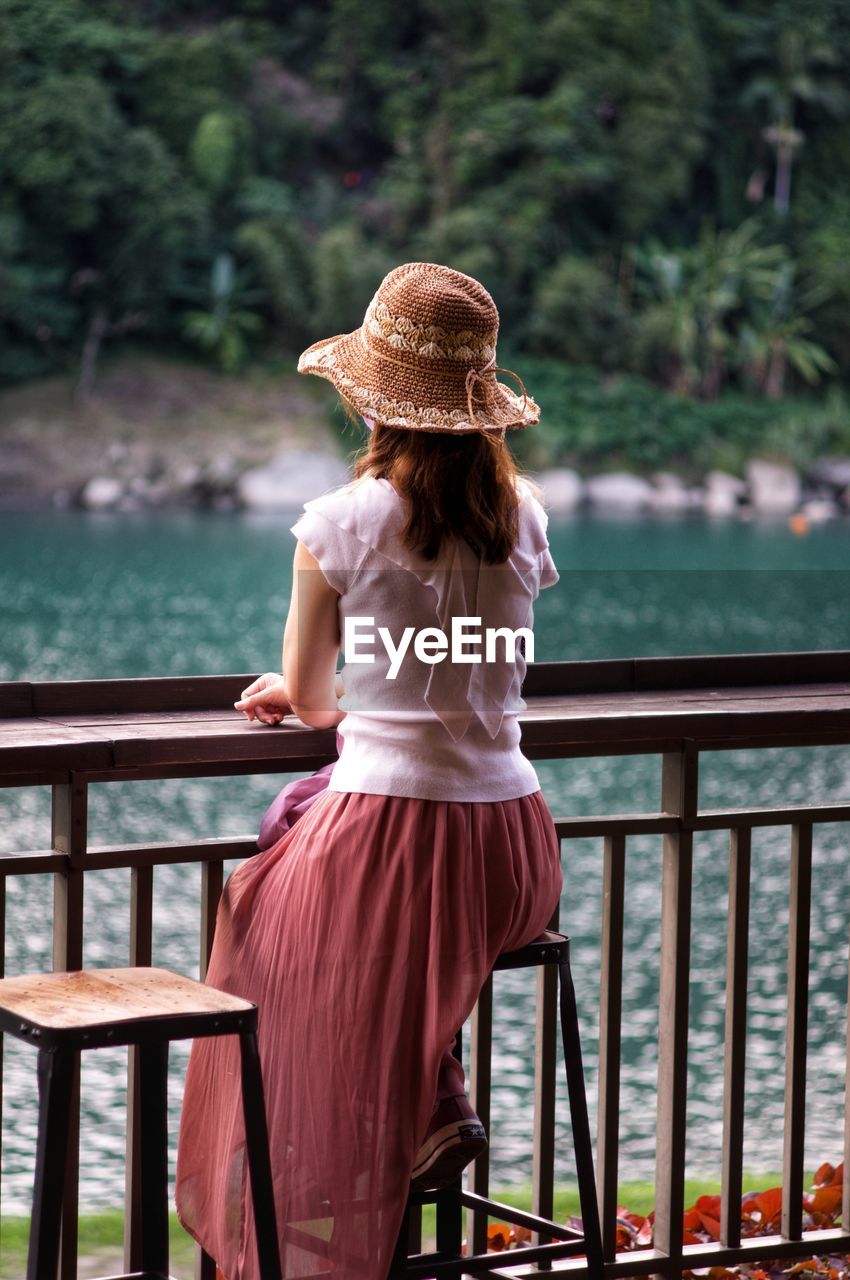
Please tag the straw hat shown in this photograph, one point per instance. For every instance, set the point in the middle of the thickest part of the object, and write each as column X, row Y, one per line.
column 425, row 356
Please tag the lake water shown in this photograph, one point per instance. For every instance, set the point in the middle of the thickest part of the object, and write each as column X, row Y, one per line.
column 85, row 596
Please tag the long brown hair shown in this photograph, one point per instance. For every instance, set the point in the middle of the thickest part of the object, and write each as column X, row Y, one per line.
column 455, row 484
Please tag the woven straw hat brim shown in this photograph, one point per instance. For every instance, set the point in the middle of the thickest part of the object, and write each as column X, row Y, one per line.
column 409, row 394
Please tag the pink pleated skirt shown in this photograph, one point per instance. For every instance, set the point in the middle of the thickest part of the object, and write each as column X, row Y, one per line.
column 364, row 934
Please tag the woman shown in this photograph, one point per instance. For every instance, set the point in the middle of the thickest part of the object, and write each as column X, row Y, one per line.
column 366, row 930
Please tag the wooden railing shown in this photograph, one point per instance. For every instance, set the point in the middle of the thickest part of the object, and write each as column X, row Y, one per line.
column 72, row 735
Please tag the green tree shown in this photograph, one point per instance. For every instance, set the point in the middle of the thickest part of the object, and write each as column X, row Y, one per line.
column 692, row 298
column 776, row 335
column 579, row 315
column 794, row 70
column 225, row 327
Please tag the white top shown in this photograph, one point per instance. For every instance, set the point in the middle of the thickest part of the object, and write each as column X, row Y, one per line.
column 436, row 730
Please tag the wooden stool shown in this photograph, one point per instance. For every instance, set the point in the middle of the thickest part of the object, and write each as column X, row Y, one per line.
column 447, row 1260
column 62, row 1013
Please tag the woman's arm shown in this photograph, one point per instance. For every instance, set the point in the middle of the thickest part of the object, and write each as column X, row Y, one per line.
column 309, row 685
column 311, row 642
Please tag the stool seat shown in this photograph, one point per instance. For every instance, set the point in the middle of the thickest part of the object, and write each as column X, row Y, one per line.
column 98, row 1007
column 549, row 948
column 61, row 1014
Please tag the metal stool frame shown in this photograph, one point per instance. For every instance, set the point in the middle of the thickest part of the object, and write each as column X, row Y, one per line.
column 447, row 1260
column 58, row 1049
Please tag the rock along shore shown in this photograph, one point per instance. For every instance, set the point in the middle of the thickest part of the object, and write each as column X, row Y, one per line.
column 293, row 476
column 161, row 435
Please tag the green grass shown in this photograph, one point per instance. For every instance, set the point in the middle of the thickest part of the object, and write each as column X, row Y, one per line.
column 101, row 1238
column 101, row 1234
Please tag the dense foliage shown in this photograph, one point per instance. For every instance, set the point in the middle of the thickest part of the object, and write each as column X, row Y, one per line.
column 654, row 187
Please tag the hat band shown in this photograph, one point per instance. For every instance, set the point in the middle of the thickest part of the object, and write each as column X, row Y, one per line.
column 405, row 413
column 430, row 340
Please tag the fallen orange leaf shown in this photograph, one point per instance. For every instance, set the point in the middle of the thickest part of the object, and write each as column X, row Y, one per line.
column 711, row 1225
column 709, row 1205
column 497, row 1237
column 769, row 1205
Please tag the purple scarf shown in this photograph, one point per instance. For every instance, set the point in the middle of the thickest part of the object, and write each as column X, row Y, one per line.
column 292, row 803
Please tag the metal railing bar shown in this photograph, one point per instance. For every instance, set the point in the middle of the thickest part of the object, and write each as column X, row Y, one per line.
column 585, row 749
column 69, row 818
column 39, row 863
column 105, row 858
column 212, row 883
column 610, row 1031
column 2, row 974
column 545, row 1075
column 795, row 1045
column 588, row 825
column 735, row 1038
column 535, row 746
column 679, row 782
column 770, row 815
column 141, row 953
column 480, row 1075
column 643, row 1262
column 845, row 1197
column 218, row 849
column 626, row 824
column 303, row 761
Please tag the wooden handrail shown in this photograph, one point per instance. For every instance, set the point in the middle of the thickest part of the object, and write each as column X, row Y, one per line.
column 22, row 698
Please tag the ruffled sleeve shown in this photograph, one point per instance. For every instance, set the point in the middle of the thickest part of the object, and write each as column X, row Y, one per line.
column 339, row 555
column 536, row 524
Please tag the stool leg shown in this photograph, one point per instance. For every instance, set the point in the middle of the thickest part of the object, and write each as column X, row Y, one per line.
column 153, row 1156
column 449, row 1212
column 401, row 1250
column 259, row 1163
column 449, row 1222
column 580, row 1123
column 55, row 1076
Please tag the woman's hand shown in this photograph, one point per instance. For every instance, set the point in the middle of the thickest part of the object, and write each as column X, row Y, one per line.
column 265, row 699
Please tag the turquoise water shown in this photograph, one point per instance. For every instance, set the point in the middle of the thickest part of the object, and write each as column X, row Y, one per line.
column 85, row 596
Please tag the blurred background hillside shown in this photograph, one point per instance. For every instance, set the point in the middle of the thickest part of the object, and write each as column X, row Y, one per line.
column 655, row 191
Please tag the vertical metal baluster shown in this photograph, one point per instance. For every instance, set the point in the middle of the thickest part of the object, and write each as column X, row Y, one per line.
column 795, row 1042
column 845, row 1197
column 678, row 796
column 2, row 975
column 449, row 1213
column 545, row 1085
column 212, row 883
column 545, row 1076
column 845, row 1202
column 69, row 836
column 141, row 949
column 480, row 1073
column 735, row 1039
column 610, row 1034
